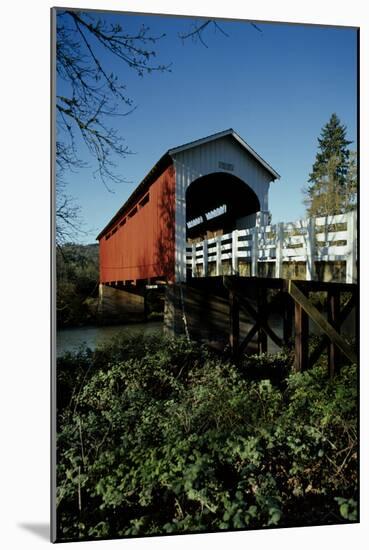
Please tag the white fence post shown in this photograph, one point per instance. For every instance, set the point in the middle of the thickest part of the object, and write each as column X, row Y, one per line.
column 234, row 252
column 279, row 250
column 351, row 275
column 313, row 232
column 310, row 249
column 194, row 274
column 219, row 255
column 205, row 257
column 255, row 252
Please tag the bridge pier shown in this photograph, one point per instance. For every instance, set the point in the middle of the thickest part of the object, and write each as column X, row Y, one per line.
column 117, row 305
column 239, row 313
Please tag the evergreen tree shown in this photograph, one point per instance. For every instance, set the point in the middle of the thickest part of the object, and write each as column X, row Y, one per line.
column 332, row 182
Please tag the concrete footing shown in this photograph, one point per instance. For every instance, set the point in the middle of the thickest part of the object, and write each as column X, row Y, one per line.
column 119, row 306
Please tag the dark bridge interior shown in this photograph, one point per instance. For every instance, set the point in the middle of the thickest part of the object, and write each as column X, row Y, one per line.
column 214, row 202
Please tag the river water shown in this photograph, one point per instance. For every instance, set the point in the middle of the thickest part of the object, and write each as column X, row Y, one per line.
column 71, row 339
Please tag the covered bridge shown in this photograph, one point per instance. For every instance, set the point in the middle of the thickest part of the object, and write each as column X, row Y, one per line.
column 195, row 191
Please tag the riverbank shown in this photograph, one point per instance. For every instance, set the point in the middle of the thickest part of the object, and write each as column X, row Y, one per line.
column 74, row 338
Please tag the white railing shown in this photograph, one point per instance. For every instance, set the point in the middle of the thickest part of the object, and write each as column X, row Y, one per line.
column 323, row 239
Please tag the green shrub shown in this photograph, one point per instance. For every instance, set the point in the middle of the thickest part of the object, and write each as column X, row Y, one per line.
column 160, row 436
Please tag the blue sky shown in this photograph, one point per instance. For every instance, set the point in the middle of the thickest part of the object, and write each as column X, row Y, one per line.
column 276, row 88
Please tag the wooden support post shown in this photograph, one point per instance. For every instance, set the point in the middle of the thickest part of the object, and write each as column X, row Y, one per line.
column 235, row 252
column 262, row 336
column 324, row 341
column 351, row 269
column 146, row 304
column 310, row 249
column 287, row 318
column 254, row 252
column 219, row 255
column 234, row 323
column 300, row 298
column 333, row 319
column 301, row 339
column 279, row 250
column 194, row 260
column 205, row 257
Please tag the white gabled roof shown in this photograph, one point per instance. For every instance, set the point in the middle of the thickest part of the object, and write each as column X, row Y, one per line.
column 218, row 135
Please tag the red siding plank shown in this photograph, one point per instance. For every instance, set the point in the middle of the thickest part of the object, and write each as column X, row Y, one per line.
column 143, row 247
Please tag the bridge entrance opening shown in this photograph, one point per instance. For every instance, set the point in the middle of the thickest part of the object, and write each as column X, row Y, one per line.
column 217, row 204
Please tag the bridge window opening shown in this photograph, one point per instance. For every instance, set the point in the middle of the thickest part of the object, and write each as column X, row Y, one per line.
column 193, row 223
column 132, row 212
column 216, row 212
column 145, row 200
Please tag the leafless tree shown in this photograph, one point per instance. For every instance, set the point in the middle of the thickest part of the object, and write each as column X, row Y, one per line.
column 89, row 96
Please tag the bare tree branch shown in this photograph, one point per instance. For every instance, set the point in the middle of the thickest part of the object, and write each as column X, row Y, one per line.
column 89, row 96
column 197, row 31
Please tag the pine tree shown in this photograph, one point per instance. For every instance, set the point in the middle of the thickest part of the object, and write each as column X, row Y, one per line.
column 332, row 182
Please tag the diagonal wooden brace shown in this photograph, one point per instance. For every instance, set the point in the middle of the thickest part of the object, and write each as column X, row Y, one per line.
column 262, row 318
column 325, row 340
column 322, row 323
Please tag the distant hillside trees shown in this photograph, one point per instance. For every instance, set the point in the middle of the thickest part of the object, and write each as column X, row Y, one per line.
column 77, row 284
column 332, row 186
